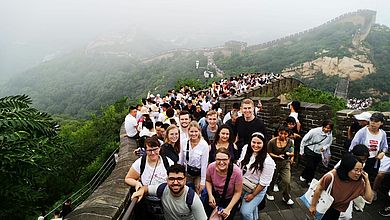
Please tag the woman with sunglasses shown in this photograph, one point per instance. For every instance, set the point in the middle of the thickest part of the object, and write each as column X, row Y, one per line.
column 149, row 170
column 258, row 168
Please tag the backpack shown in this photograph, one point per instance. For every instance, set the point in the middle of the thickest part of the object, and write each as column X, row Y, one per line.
column 143, row 163
column 189, row 198
column 141, row 141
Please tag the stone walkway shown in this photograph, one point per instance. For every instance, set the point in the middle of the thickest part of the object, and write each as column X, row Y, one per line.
column 278, row 209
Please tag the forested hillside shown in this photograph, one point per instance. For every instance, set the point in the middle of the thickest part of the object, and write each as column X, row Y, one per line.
column 79, row 84
column 379, row 43
column 335, row 39
column 43, row 163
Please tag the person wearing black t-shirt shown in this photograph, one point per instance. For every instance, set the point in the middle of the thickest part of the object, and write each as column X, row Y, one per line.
column 247, row 124
column 190, row 107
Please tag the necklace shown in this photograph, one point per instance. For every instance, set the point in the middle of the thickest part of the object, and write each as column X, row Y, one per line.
column 154, row 170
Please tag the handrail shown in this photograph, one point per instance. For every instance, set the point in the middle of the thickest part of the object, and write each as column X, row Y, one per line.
column 129, row 210
column 92, row 184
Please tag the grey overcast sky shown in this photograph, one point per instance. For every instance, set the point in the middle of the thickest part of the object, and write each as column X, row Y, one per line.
column 50, row 25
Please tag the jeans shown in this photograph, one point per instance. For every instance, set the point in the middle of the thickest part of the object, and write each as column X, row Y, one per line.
column 249, row 210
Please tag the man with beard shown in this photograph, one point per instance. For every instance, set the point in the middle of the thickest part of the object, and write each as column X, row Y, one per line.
column 184, row 119
column 178, row 200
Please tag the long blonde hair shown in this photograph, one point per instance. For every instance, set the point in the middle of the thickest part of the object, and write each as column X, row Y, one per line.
column 196, row 125
column 176, row 146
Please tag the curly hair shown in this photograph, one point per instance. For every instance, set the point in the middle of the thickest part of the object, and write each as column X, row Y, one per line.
column 258, row 165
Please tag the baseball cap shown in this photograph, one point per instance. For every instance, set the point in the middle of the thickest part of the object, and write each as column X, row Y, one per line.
column 364, row 116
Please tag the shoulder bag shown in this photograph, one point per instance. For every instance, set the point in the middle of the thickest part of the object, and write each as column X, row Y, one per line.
column 325, row 200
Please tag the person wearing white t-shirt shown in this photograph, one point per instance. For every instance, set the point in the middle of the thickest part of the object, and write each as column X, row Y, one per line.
column 375, row 139
column 154, row 173
column 206, row 105
column 295, row 107
column 184, row 119
column 236, row 108
column 194, row 155
column 131, row 123
column 258, row 167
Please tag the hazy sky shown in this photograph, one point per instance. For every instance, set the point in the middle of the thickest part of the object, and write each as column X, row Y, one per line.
column 46, row 26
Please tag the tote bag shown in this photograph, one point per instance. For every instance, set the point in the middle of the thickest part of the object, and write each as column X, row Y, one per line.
column 325, row 200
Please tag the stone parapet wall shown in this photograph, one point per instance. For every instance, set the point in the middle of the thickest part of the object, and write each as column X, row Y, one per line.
column 364, row 17
column 110, row 198
column 274, row 89
column 311, row 116
column 344, row 120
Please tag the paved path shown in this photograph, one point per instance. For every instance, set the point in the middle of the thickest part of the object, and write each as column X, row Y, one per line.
column 278, row 209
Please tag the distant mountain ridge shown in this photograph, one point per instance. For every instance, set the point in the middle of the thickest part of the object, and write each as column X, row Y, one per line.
column 132, row 64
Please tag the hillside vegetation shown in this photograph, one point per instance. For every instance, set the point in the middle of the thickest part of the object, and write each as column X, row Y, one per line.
column 378, row 41
column 43, row 163
column 79, row 84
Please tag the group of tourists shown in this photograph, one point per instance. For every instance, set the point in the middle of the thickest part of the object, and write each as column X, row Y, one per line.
column 196, row 163
column 226, row 171
column 367, row 157
column 359, row 104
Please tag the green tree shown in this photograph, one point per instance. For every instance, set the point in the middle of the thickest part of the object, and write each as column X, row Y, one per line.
column 28, row 142
column 306, row 94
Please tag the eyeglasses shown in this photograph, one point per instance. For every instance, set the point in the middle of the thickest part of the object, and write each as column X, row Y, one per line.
column 154, row 150
column 179, row 179
column 358, row 170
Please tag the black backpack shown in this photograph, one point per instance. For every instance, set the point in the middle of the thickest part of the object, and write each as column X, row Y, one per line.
column 143, row 163
column 141, row 141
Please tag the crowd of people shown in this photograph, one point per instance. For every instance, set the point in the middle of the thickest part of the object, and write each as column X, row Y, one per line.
column 205, row 155
column 359, row 104
column 225, row 168
column 196, row 163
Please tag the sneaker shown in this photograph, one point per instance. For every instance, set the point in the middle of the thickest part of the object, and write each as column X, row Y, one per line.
column 302, row 179
column 270, row 197
column 385, row 212
column 276, row 188
column 289, row 202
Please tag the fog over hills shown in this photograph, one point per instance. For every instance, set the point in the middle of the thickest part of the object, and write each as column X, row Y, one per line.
column 35, row 31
